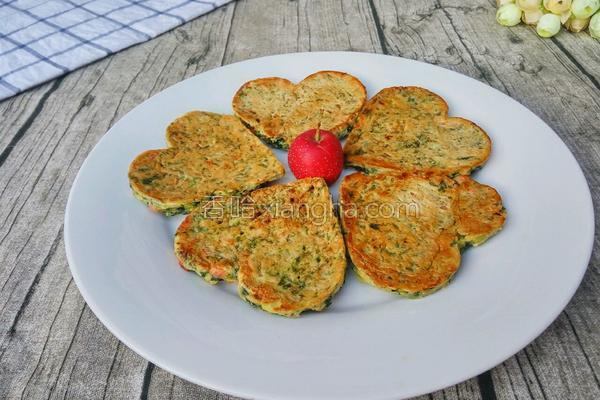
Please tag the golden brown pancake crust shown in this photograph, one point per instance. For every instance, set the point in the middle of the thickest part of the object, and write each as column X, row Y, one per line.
column 407, row 129
column 278, row 110
column 295, row 257
column 282, row 244
column 209, row 154
column 404, row 232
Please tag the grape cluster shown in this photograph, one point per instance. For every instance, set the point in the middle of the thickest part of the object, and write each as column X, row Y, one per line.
column 548, row 15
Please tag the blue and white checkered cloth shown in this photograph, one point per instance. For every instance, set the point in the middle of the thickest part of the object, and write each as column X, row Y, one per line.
column 43, row 39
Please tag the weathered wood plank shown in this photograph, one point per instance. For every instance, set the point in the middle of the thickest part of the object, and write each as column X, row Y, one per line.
column 582, row 51
column 557, row 80
column 302, row 25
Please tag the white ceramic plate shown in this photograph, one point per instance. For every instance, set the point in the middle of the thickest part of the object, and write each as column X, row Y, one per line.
column 369, row 344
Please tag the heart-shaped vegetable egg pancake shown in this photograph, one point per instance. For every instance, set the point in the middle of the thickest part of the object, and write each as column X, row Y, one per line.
column 295, row 258
column 283, row 243
column 277, row 110
column 208, row 155
column 407, row 129
column 405, row 233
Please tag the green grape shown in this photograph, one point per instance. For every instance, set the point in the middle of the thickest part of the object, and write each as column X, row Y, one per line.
column 584, row 8
column 508, row 15
column 500, row 3
column 548, row 25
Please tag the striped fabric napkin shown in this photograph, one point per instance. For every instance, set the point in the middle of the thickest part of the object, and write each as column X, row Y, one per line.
column 43, row 39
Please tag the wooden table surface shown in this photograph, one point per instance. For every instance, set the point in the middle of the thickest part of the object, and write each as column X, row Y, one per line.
column 52, row 345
